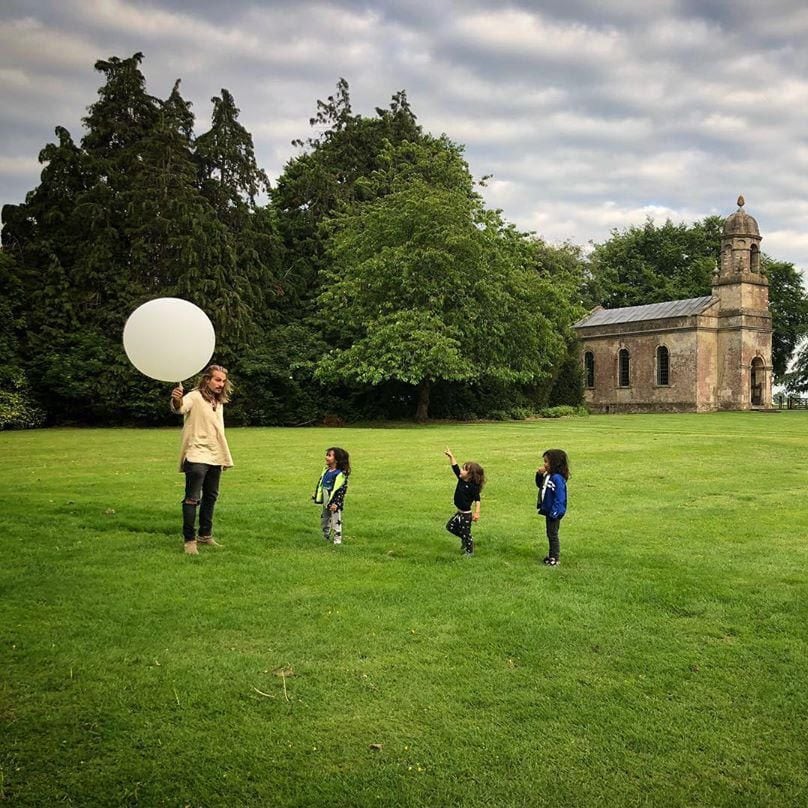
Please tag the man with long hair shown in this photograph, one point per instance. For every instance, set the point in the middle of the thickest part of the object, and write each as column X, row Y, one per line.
column 204, row 453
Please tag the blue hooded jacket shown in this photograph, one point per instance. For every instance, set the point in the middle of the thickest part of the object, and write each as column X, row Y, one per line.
column 554, row 501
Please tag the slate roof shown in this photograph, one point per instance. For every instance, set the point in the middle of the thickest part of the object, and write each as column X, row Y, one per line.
column 653, row 311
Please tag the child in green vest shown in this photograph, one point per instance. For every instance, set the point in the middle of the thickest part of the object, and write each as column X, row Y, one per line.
column 330, row 492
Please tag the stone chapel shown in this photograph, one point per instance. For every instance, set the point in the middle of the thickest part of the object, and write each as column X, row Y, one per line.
column 698, row 355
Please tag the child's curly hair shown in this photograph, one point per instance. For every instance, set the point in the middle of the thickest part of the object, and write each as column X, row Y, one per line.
column 558, row 463
column 342, row 457
column 476, row 473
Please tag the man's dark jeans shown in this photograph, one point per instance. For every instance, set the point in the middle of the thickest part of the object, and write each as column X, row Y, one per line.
column 201, row 491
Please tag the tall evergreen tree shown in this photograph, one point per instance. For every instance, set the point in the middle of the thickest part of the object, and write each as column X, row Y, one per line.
column 118, row 125
column 789, row 310
column 231, row 178
column 17, row 406
column 231, row 181
column 331, row 172
column 167, row 219
column 120, row 220
column 123, row 114
column 42, row 236
column 179, row 246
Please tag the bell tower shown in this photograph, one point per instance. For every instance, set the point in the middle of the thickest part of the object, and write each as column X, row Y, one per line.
column 744, row 322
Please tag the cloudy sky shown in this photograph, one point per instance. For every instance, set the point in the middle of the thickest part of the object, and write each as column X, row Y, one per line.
column 590, row 114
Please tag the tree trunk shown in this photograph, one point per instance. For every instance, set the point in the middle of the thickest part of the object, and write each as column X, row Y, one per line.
column 422, row 410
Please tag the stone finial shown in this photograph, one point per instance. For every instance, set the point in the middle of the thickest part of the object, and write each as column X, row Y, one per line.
column 741, row 201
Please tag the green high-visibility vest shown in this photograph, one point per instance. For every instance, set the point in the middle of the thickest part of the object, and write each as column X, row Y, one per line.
column 320, row 493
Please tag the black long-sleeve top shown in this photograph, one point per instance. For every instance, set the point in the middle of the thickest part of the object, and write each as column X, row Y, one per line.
column 466, row 492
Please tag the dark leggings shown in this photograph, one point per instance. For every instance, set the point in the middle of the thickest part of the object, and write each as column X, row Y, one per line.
column 552, row 536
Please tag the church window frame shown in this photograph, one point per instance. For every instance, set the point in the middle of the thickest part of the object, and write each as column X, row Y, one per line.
column 757, row 381
column 754, row 258
column 726, row 259
column 589, row 370
column 663, row 366
column 623, row 368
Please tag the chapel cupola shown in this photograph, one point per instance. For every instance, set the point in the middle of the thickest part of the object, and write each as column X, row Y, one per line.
column 740, row 246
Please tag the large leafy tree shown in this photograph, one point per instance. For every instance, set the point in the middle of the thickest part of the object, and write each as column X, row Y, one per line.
column 331, row 170
column 789, row 310
column 564, row 270
column 424, row 284
column 651, row 264
column 796, row 379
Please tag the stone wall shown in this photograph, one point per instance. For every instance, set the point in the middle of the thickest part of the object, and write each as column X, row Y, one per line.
column 691, row 354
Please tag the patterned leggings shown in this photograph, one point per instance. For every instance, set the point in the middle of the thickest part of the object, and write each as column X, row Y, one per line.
column 331, row 524
column 460, row 525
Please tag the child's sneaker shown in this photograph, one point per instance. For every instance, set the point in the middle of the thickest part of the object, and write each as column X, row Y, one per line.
column 553, row 562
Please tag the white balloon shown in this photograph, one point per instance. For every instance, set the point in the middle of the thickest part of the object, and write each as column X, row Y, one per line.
column 169, row 339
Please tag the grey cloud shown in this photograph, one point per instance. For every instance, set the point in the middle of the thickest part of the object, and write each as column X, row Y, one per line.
column 621, row 109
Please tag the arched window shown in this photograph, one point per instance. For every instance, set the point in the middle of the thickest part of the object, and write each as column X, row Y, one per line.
column 754, row 258
column 589, row 369
column 662, row 366
column 623, row 368
column 726, row 259
column 757, row 381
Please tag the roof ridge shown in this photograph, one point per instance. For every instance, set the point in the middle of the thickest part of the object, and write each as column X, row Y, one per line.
column 647, row 311
column 662, row 303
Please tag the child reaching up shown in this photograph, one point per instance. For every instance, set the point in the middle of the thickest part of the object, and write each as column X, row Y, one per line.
column 551, row 480
column 470, row 482
column 330, row 492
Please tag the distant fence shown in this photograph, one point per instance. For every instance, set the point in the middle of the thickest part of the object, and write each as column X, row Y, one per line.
column 791, row 402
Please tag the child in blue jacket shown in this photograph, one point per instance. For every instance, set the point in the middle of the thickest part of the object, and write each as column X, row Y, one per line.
column 551, row 480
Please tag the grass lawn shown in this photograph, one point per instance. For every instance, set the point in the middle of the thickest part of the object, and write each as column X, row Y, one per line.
column 663, row 663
